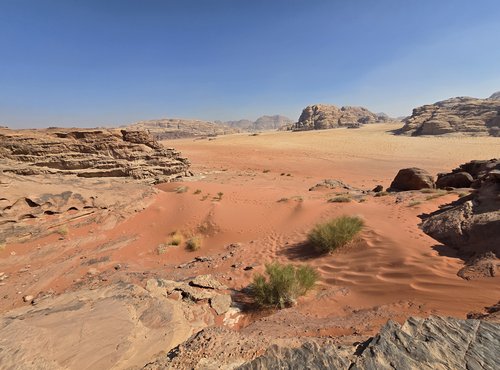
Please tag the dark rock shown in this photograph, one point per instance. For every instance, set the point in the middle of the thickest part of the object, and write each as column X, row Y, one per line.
column 412, row 179
column 378, row 189
column 454, row 180
column 431, row 343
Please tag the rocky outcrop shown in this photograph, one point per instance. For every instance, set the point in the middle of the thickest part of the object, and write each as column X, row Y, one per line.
column 431, row 343
column 463, row 115
column 119, row 326
column 472, row 173
column 322, row 116
column 174, row 128
column 472, row 224
column 412, row 179
column 130, row 154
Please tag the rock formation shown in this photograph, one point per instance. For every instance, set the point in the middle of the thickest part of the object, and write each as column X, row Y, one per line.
column 263, row 123
column 472, row 224
column 119, row 326
column 322, row 116
column 90, row 153
column 431, row 343
column 174, row 128
column 462, row 115
column 412, row 179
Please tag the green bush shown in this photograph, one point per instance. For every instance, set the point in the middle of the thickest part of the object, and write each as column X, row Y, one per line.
column 336, row 233
column 284, row 283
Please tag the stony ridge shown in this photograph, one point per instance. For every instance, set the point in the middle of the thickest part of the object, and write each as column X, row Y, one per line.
column 322, row 116
column 462, row 115
column 131, row 154
column 431, row 343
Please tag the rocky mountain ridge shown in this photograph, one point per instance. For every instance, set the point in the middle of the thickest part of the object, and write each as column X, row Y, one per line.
column 461, row 115
column 323, row 116
column 262, row 123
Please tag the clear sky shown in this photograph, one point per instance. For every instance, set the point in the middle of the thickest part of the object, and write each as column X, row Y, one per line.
column 107, row 62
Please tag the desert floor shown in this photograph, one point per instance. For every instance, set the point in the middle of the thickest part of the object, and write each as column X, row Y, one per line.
column 392, row 271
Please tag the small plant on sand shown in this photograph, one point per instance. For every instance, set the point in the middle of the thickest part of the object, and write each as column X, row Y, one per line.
column 62, row 231
column 266, row 171
column 428, row 191
column 194, row 243
column 205, row 197
column 283, row 200
column 334, row 234
column 181, row 189
column 2, row 246
column 436, row 194
column 283, row 284
column 340, row 199
column 176, row 238
column 161, row 249
column 219, row 196
column 414, row 203
column 381, row 194
column 197, row 191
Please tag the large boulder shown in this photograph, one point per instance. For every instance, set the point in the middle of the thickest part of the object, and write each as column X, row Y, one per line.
column 412, row 179
column 462, row 115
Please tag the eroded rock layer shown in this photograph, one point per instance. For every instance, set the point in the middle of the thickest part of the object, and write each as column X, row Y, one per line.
column 462, row 115
column 323, row 116
column 132, row 154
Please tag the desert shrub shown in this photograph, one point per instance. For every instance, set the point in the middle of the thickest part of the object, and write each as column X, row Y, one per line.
column 181, row 189
column 219, row 196
column 437, row 194
column 414, row 203
column 283, row 284
column 194, row 243
column 176, row 238
column 266, row 171
column 62, row 231
column 283, row 200
column 381, row 194
column 334, row 234
column 161, row 249
column 340, row 199
column 197, row 191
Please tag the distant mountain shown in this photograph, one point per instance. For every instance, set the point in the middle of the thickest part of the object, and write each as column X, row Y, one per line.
column 324, row 116
column 261, row 124
column 173, row 128
column 495, row 96
column 461, row 115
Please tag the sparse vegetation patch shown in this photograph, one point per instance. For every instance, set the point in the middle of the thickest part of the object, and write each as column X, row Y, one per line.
column 283, row 284
column 340, row 199
column 194, row 243
column 336, row 233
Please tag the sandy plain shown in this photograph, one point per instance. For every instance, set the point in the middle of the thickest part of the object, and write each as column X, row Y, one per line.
column 392, row 271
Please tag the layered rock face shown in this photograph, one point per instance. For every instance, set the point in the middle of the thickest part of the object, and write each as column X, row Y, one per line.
column 173, row 128
column 90, row 153
column 462, row 115
column 432, row 343
column 322, row 116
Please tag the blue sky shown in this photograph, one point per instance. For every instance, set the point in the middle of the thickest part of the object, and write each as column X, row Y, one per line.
column 108, row 62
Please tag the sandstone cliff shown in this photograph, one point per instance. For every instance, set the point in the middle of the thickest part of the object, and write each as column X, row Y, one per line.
column 462, row 115
column 89, row 153
column 321, row 116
